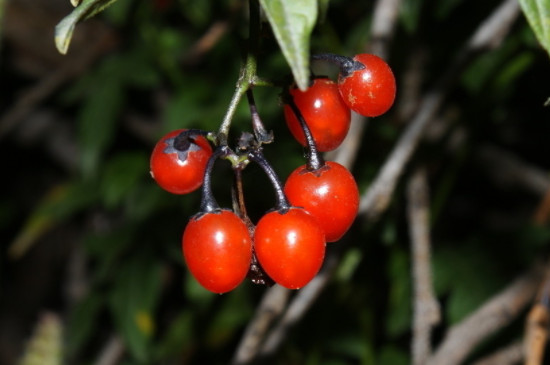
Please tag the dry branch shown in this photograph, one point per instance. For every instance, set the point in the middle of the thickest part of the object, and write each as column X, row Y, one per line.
column 426, row 311
column 488, row 35
column 495, row 314
column 271, row 306
column 509, row 355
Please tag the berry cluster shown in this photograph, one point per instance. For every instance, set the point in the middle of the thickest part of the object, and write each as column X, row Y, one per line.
column 317, row 204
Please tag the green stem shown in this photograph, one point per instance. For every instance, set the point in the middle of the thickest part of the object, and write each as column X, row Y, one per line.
column 248, row 72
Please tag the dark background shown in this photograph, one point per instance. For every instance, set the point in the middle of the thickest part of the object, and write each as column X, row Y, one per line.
column 91, row 246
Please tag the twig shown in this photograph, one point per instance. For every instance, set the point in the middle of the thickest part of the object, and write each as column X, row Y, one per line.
column 347, row 152
column 271, row 306
column 425, row 306
column 496, row 313
column 536, row 329
column 542, row 213
column 536, row 334
column 508, row 169
column 212, row 36
column 112, row 352
column 488, row 35
column 300, row 304
column 410, row 85
column 377, row 197
column 208, row 40
column 383, row 26
column 509, row 355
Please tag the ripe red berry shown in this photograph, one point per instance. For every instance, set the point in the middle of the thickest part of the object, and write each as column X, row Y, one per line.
column 179, row 172
column 369, row 91
column 218, row 250
column 324, row 111
column 290, row 247
column 330, row 194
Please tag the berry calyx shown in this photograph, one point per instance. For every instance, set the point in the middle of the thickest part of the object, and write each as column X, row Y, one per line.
column 369, row 91
column 326, row 114
column 217, row 249
column 330, row 194
column 290, row 246
column 178, row 161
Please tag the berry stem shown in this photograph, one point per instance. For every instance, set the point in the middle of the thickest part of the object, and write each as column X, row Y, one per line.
column 185, row 138
column 282, row 204
column 346, row 64
column 314, row 159
column 261, row 134
column 238, row 198
column 208, row 202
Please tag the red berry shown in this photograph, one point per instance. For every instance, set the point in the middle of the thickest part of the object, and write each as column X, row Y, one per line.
column 324, row 111
column 369, row 91
column 218, row 250
column 330, row 194
column 290, row 247
column 180, row 172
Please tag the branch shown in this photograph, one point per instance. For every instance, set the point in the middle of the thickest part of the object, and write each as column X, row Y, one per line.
column 426, row 308
column 112, row 352
column 509, row 355
column 300, row 304
column 536, row 329
column 536, row 334
column 496, row 313
column 270, row 308
column 488, row 35
column 507, row 169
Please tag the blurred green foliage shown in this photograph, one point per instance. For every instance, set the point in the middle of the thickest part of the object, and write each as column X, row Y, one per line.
column 129, row 230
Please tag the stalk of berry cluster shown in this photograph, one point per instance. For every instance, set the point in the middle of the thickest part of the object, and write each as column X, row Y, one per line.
column 315, row 160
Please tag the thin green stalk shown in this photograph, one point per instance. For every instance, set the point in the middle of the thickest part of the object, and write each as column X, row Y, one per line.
column 248, row 72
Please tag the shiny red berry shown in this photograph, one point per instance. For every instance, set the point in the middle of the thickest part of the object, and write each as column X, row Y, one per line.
column 330, row 194
column 324, row 111
column 290, row 247
column 180, row 171
column 369, row 91
column 217, row 249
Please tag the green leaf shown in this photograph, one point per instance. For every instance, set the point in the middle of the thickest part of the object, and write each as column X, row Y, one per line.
column 133, row 300
column 233, row 313
column 83, row 322
column 393, row 355
column 292, row 23
column 59, row 203
column 98, row 116
column 323, row 9
column 410, row 14
column 65, row 28
column 399, row 319
column 179, row 337
column 121, row 175
column 537, row 13
column 445, row 7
